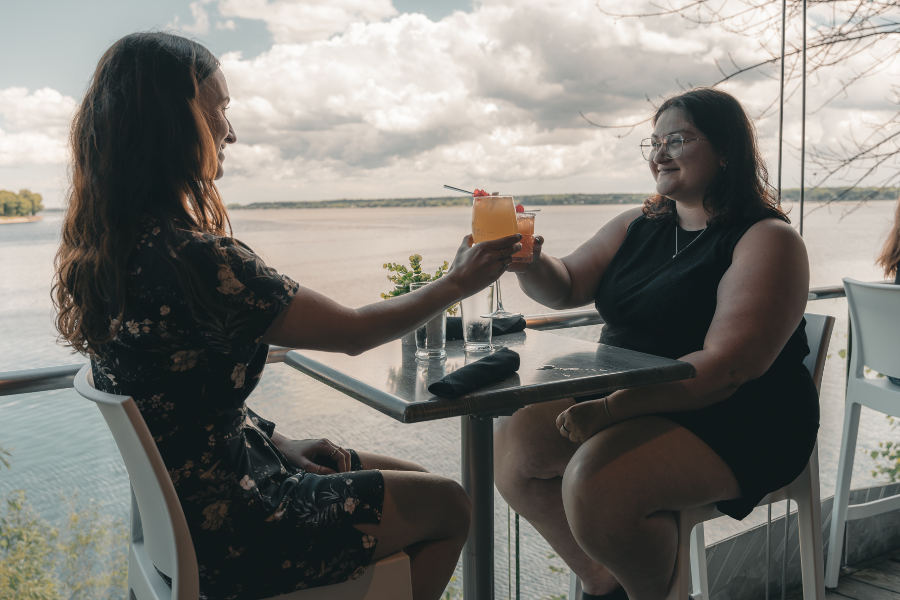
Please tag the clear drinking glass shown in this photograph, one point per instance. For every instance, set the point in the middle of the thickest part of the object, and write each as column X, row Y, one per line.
column 525, row 221
column 432, row 336
column 494, row 217
column 476, row 326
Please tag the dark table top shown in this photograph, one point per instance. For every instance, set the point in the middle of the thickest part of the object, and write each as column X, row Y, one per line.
column 391, row 380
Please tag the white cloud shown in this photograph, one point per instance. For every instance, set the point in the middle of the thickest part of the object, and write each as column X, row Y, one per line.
column 491, row 95
column 200, row 26
column 44, row 111
column 18, row 149
column 33, row 127
column 353, row 100
column 293, row 21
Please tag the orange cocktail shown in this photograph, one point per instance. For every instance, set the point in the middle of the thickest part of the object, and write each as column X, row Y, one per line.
column 526, row 228
column 493, row 217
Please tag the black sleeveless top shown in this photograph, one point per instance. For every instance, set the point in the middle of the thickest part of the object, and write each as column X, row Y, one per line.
column 659, row 304
column 662, row 302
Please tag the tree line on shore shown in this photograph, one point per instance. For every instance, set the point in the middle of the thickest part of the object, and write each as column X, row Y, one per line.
column 828, row 194
column 23, row 204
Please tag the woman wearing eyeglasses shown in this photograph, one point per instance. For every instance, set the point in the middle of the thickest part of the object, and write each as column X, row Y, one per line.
column 708, row 271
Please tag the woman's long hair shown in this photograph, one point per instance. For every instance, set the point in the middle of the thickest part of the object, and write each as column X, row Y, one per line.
column 141, row 146
column 740, row 191
column 889, row 259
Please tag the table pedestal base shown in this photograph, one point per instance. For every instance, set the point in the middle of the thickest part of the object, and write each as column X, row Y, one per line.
column 477, row 438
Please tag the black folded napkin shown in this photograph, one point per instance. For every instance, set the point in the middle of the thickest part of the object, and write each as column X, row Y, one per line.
column 478, row 374
column 498, row 326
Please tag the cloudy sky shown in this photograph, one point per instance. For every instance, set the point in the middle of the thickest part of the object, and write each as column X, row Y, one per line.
column 381, row 98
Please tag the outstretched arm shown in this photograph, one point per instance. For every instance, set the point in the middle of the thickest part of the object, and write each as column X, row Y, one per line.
column 316, row 322
column 572, row 281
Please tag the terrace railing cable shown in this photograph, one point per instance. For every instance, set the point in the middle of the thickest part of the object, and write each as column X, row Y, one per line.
column 60, row 377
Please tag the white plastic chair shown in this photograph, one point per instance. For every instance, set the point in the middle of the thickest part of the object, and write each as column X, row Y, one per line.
column 691, row 558
column 875, row 334
column 166, row 541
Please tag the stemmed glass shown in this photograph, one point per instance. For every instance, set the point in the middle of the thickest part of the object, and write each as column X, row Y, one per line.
column 494, row 217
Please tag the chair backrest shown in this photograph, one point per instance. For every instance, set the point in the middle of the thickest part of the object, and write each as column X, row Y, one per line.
column 160, row 520
column 818, row 335
column 875, row 326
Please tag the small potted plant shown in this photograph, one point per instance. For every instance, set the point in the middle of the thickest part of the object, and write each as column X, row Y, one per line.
column 402, row 277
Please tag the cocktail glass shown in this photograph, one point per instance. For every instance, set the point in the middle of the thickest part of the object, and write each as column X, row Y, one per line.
column 525, row 221
column 494, row 217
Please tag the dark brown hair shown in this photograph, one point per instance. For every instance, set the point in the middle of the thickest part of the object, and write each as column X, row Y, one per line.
column 141, row 146
column 739, row 192
column 889, row 258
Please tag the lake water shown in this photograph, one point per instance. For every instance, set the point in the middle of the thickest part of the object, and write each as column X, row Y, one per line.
column 61, row 443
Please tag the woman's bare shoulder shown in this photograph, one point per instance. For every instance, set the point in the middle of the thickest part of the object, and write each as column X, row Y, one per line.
column 772, row 243
column 769, row 232
column 625, row 218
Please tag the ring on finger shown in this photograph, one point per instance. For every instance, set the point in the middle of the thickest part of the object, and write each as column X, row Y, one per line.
column 318, row 469
column 333, row 451
column 564, row 428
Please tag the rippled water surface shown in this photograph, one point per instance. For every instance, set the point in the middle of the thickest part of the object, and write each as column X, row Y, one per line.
column 61, row 443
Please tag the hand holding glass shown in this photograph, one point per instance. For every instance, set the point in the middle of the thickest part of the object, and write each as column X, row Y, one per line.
column 494, row 217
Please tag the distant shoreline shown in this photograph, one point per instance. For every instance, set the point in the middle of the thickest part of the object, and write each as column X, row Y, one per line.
column 792, row 195
column 816, row 195
column 458, row 200
column 28, row 219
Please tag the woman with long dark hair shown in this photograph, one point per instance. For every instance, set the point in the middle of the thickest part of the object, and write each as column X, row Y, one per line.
column 889, row 259
column 710, row 272
column 176, row 313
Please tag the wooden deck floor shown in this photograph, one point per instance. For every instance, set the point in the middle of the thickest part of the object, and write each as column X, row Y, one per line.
column 878, row 581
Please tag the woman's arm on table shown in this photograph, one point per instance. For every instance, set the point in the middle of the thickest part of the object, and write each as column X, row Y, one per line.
column 315, row 322
column 572, row 281
column 760, row 302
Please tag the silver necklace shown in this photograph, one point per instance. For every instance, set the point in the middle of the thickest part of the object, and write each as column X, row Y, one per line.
column 677, row 252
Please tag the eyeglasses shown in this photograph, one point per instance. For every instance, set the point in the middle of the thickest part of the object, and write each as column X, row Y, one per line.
column 672, row 146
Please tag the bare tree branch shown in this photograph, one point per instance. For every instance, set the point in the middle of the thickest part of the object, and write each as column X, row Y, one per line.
column 853, row 28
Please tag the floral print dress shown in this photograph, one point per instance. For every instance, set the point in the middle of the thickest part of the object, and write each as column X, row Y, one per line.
column 260, row 526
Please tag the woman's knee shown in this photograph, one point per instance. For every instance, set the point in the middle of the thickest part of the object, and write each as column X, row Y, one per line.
column 528, row 446
column 603, row 495
column 462, row 506
column 437, row 503
column 419, row 507
column 593, row 501
column 450, row 510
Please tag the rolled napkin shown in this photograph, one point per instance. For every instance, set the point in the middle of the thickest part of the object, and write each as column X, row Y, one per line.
column 498, row 326
column 477, row 374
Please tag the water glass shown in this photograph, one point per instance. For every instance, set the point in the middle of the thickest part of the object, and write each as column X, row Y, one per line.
column 476, row 327
column 432, row 336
